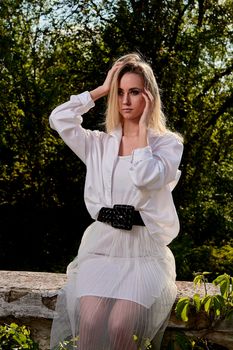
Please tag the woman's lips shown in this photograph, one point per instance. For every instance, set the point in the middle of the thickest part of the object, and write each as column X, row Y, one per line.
column 126, row 110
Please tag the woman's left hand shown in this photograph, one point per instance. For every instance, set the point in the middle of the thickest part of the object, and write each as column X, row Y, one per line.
column 145, row 117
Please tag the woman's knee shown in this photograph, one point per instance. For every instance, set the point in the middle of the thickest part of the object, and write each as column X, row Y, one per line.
column 117, row 327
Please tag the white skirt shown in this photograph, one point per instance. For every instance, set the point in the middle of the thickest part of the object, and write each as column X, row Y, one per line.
column 119, row 292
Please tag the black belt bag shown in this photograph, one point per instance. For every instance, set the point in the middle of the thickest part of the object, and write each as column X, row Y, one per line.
column 121, row 216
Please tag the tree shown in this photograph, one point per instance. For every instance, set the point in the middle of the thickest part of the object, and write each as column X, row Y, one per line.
column 40, row 64
column 189, row 46
column 52, row 49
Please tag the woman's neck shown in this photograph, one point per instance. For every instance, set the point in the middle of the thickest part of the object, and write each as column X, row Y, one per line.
column 130, row 128
column 132, row 137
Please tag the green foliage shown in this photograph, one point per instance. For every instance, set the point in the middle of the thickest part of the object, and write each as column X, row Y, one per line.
column 147, row 343
column 52, row 49
column 216, row 307
column 183, row 342
column 180, row 342
column 73, row 343
column 218, row 258
column 16, row 337
column 33, row 72
column 67, row 344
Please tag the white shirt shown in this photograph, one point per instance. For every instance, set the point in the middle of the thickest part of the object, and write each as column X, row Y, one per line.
column 153, row 171
column 122, row 185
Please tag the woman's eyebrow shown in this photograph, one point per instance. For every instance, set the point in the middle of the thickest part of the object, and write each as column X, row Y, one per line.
column 133, row 88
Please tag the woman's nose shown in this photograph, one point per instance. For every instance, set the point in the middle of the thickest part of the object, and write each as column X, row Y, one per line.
column 126, row 99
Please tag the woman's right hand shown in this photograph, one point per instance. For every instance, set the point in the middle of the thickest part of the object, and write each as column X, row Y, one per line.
column 107, row 83
column 103, row 90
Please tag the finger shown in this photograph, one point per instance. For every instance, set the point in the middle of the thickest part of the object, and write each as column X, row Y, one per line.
column 146, row 98
column 114, row 69
column 111, row 73
column 117, row 65
column 149, row 94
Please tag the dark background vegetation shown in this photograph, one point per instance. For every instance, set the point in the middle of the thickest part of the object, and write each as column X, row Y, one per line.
column 52, row 49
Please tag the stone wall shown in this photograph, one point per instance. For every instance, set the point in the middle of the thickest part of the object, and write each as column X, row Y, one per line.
column 29, row 298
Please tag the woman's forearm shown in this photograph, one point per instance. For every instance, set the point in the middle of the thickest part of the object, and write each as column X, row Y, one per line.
column 99, row 92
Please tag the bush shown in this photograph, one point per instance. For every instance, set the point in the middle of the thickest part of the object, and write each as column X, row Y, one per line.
column 191, row 258
column 16, row 337
column 215, row 308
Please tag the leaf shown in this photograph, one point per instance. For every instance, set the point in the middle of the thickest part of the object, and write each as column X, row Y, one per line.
column 218, row 304
column 184, row 313
column 207, row 303
column 220, row 278
column 182, row 308
column 225, row 288
column 198, row 280
column 224, row 282
column 197, row 302
column 229, row 314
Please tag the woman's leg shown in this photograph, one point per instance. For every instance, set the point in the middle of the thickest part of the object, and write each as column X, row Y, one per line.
column 93, row 313
column 126, row 321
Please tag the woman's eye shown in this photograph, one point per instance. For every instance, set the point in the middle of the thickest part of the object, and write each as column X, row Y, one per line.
column 131, row 92
column 134, row 92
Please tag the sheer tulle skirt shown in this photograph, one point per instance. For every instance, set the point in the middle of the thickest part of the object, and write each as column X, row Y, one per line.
column 119, row 292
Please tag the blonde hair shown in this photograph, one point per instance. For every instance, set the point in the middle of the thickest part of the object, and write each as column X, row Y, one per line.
column 133, row 63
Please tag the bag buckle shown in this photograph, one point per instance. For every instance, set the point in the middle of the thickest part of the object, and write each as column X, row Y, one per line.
column 122, row 216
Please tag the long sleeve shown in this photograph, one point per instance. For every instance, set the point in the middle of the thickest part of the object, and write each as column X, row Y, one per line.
column 66, row 119
column 157, row 165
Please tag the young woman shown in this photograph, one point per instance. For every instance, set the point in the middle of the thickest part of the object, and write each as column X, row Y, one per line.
column 121, row 286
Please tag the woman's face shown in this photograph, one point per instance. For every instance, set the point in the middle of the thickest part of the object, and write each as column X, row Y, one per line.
column 131, row 102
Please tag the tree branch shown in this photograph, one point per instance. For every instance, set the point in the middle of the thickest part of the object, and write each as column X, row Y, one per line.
column 200, row 12
column 218, row 75
column 202, row 132
column 215, row 79
column 178, row 23
column 228, row 103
